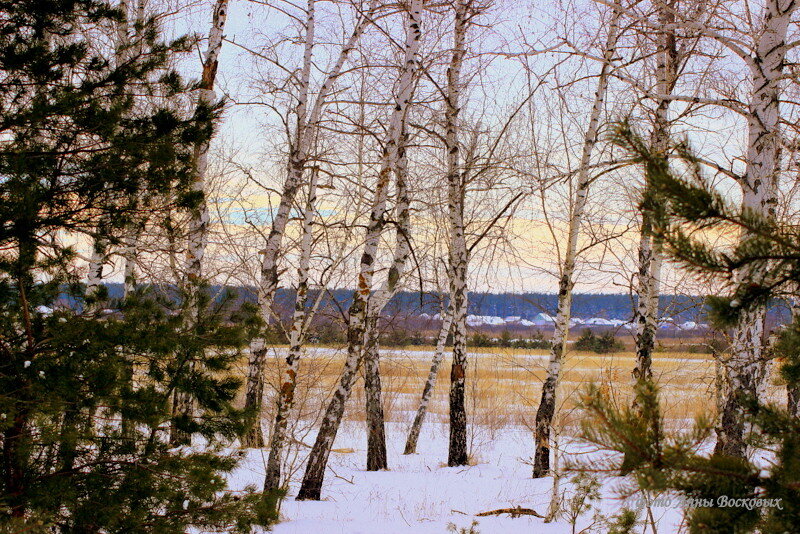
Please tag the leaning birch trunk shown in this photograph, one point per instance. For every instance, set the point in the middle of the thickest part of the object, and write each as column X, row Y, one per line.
column 198, row 223
column 376, row 433
column 272, row 480
column 304, row 135
column 457, row 448
column 317, row 461
column 547, row 405
column 650, row 249
column 554, row 509
column 430, row 383
column 746, row 367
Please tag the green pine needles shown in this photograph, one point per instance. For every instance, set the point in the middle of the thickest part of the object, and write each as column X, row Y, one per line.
column 85, row 397
column 722, row 494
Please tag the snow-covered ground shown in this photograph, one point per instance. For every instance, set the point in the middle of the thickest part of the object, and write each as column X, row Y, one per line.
column 420, row 495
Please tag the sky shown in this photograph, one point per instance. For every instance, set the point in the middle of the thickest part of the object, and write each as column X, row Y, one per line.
column 250, row 137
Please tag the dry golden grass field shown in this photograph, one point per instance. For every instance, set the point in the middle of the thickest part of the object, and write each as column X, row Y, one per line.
column 503, row 385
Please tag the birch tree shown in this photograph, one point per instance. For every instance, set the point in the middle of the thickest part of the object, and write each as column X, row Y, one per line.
column 376, row 434
column 547, row 404
column 456, row 192
column 199, row 218
column 97, row 260
column 101, row 244
column 307, row 122
column 759, row 40
column 479, row 161
column 358, row 314
column 650, row 255
column 430, row 382
column 296, row 335
column 746, row 366
column 130, row 240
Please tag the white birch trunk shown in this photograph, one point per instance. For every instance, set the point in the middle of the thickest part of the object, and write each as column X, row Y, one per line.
column 650, row 249
column 547, row 404
column 299, row 151
column 746, row 367
column 199, row 217
column 430, row 383
column 376, row 434
column 458, row 262
column 101, row 245
column 272, row 481
column 130, row 252
column 315, row 470
column 198, row 224
column 94, row 278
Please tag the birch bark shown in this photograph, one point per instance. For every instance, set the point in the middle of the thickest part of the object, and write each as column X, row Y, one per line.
column 547, row 404
column 94, row 278
column 198, row 223
column 376, row 434
column 130, row 254
column 746, row 366
column 650, row 249
column 430, row 383
column 296, row 334
column 183, row 403
column 307, row 126
column 458, row 261
column 315, row 470
column 101, row 244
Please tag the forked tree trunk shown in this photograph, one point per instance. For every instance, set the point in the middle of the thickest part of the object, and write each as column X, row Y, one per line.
column 268, row 286
column 199, row 217
column 272, row 480
column 376, row 434
column 430, row 383
column 318, row 459
column 547, row 405
column 746, row 366
column 457, row 453
column 305, row 132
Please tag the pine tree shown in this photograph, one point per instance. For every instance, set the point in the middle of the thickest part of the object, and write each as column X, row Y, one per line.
column 729, row 493
column 84, row 398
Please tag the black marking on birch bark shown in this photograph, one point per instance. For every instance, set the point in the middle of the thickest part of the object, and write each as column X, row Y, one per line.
column 745, row 366
column 376, row 434
column 315, row 470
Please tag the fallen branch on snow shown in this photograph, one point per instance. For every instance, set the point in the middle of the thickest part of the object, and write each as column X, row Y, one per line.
column 514, row 512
